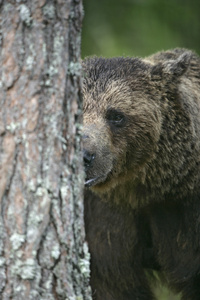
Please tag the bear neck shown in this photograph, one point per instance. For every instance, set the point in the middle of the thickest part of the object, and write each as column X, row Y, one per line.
column 158, row 187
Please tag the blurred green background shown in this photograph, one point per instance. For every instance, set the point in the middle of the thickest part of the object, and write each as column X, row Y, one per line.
column 140, row 28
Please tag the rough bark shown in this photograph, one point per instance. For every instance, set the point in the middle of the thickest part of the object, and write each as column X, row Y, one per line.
column 42, row 250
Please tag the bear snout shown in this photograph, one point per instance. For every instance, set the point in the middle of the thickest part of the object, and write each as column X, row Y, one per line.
column 97, row 155
column 88, row 158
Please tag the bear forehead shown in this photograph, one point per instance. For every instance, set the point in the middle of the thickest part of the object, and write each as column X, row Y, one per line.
column 98, row 68
column 117, row 94
column 113, row 82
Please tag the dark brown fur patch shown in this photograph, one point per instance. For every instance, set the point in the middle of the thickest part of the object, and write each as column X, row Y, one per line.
column 144, row 167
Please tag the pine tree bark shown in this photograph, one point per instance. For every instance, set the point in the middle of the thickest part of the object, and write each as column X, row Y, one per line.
column 42, row 250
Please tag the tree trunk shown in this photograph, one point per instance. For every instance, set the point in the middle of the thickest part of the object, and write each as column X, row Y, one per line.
column 42, row 250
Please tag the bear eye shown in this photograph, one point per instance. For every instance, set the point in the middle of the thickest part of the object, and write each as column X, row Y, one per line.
column 115, row 117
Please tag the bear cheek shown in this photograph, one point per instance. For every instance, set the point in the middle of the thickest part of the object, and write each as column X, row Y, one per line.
column 142, row 146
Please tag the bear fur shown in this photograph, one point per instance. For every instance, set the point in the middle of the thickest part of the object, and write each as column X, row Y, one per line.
column 142, row 160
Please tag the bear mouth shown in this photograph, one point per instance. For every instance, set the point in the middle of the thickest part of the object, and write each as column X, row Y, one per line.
column 94, row 181
column 98, row 180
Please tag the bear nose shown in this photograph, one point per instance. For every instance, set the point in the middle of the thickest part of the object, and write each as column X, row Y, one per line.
column 88, row 157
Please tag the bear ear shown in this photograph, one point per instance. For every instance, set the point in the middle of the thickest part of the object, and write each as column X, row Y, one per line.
column 174, row 67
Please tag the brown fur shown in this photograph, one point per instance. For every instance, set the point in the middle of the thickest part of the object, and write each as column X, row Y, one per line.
column 142, row 154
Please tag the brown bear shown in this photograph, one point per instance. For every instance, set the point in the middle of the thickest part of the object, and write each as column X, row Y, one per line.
column 142, row 161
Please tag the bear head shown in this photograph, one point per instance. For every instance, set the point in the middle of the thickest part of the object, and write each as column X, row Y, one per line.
column 122, row 115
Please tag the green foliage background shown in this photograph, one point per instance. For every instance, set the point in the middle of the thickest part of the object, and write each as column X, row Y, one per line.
column 140, row 28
